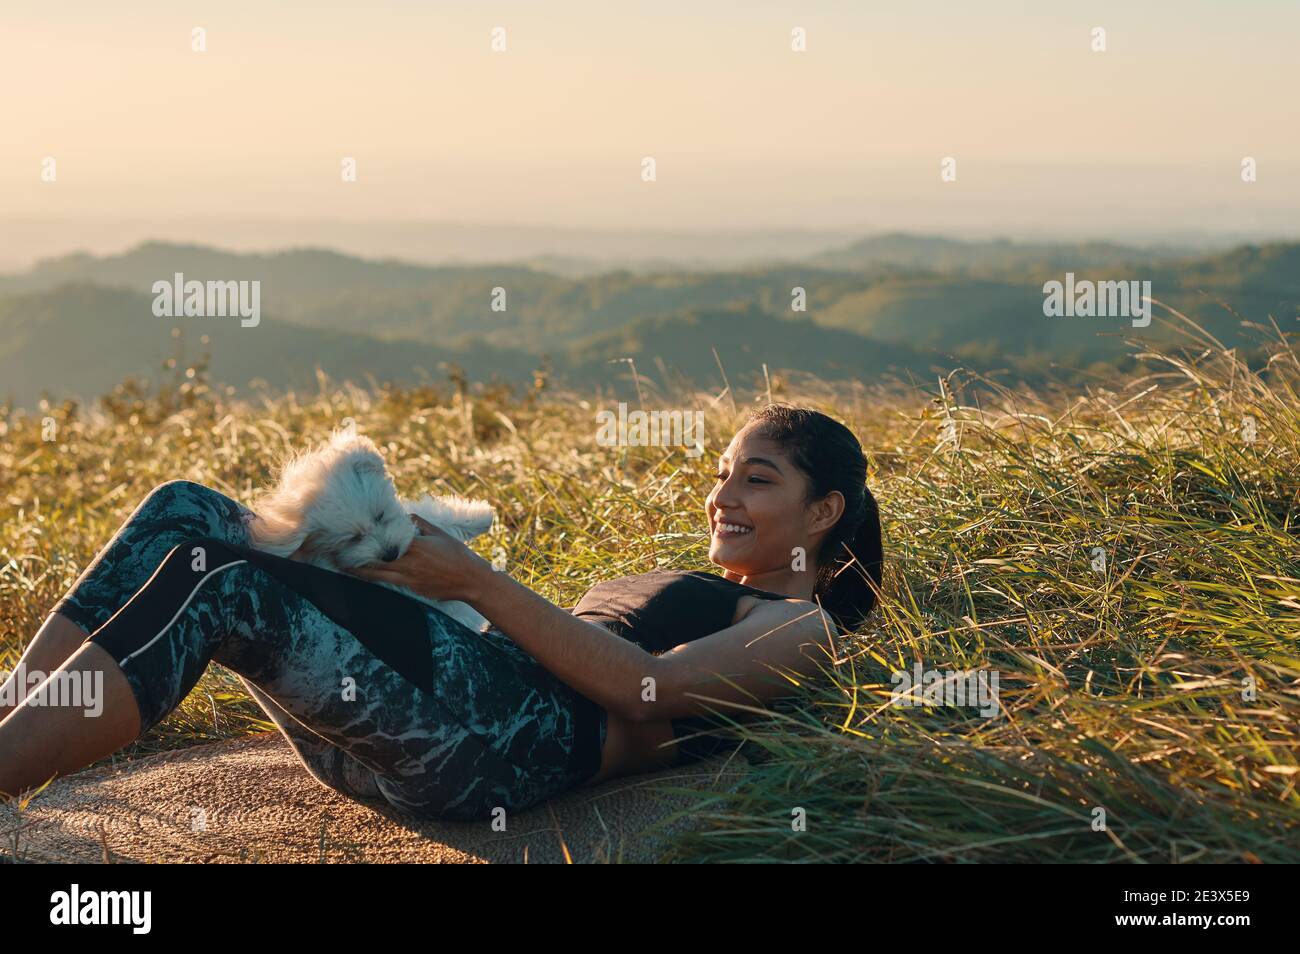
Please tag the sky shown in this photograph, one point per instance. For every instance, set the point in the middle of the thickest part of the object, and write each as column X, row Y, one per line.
column 1049, row 137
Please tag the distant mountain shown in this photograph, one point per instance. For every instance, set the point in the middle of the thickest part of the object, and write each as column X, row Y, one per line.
column 891, row 287
column 935, row 254
column 24, row 241
column 82, row 340
column 568, row 266
column 82, row 322
column 296, row 280
column 1267, row 270
column 744, row 340
column 389, row 299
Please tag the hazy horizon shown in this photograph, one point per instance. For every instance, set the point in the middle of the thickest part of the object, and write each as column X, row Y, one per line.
column 1136, row 144
column 26, row 242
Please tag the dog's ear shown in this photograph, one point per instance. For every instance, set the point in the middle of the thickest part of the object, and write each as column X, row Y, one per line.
column 346, row 440
column 367, row 464
column 458, row 516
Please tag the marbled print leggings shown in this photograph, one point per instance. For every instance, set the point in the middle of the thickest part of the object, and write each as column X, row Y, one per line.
column 382, row 697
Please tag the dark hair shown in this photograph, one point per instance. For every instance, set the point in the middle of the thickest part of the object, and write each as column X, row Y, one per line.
column 832, row 459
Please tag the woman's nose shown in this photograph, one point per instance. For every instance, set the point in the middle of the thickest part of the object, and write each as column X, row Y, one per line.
column 725, row 496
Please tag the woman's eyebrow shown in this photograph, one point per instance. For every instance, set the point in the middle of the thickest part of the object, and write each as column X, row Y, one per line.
column 753, row 460
column 761, row 460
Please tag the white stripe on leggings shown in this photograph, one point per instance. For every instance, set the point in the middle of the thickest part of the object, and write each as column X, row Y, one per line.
column 184, row 605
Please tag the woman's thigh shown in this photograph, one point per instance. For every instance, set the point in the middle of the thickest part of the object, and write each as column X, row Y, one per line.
column 450, row 722
column 521, row 734
column 170, row 514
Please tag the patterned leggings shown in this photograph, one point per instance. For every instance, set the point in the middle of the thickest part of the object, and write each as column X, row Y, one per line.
column 382, row 697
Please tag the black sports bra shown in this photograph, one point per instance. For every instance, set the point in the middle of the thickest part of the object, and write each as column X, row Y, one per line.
column 665, row 608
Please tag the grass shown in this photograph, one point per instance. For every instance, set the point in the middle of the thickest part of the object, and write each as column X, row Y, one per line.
column 1159, row 690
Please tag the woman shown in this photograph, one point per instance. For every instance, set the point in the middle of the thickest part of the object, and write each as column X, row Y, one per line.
column 388, row 700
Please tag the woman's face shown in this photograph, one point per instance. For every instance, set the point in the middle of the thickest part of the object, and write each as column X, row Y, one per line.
column 757, row 511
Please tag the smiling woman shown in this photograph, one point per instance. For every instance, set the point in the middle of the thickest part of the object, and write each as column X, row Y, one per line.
column 790, row 478
column 798, row 534
column 384, row 697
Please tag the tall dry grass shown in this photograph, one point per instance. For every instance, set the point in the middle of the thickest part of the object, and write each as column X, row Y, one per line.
column 1162, row 690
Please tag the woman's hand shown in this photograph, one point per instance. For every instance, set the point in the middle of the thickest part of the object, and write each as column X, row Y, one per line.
column 436, row 565
column 424, row 526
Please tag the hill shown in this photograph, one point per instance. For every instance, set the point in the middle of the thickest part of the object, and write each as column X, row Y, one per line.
column 80, row 340
column 891, row 301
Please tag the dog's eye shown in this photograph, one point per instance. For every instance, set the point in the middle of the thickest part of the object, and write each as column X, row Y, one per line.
column 379, row 518
column 358, row 536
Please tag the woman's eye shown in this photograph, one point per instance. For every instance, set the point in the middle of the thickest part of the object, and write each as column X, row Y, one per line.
column 759, row 480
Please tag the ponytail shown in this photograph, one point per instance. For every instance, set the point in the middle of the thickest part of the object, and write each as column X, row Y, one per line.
column 849, row 596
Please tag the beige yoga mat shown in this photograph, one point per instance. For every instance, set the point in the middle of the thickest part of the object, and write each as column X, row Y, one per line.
column 251, row 800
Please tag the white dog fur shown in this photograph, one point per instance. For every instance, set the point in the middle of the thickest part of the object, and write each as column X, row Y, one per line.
column 336, row 507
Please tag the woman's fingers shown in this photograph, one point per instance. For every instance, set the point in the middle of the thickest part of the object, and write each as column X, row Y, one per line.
column 377, row 573
column 424, row 526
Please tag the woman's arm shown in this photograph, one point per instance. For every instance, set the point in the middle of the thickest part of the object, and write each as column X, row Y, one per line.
column 609, row 670
column 778, row 645
column 760, row 658
column 605, row 668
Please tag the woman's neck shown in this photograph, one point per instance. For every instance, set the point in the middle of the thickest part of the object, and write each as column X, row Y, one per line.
column 796, row 584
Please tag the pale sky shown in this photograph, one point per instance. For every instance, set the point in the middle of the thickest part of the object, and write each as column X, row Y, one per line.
column 1048, row 135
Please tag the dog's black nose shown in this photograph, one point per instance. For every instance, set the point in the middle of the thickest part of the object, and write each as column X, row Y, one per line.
column 391, row 554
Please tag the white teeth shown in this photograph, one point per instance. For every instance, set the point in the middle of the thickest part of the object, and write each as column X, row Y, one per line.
column 732, row 528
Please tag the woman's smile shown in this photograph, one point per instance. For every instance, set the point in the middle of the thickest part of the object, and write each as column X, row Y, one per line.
column 725, row 529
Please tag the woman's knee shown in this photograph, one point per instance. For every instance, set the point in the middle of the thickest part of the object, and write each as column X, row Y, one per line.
column 170, row 491
column 187, row 504
column 237, row 615
column 184, row 496
column 176, row 498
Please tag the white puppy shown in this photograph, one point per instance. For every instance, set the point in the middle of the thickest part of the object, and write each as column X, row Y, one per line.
column 336, row 507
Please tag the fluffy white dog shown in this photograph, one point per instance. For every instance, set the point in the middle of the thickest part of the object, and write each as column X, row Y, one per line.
column 336, row 507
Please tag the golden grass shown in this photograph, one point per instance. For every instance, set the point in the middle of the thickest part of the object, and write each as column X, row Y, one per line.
column 1121, row 690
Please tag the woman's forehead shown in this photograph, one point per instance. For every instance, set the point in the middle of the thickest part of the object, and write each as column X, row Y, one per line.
column 750, row 442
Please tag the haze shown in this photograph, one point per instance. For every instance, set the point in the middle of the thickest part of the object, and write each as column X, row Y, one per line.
column 1140, row 143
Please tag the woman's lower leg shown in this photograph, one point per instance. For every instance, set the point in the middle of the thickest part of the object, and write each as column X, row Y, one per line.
column 171, row 512
column 56, row 640
column 492, row 729
column 83, row 712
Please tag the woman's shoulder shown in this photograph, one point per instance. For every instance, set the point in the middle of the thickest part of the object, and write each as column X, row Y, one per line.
column 786, row 610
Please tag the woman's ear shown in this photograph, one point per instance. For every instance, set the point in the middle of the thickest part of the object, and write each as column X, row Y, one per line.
column 827, row 512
